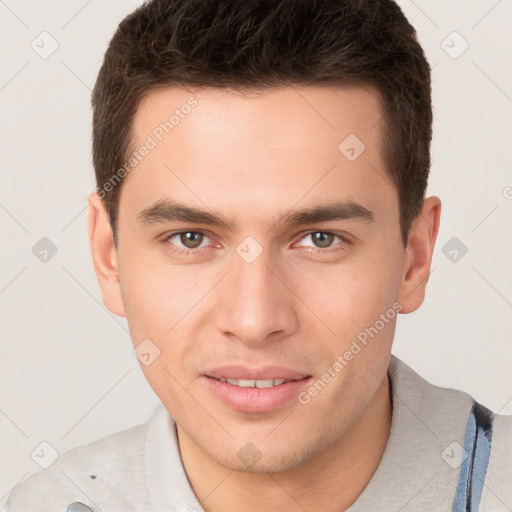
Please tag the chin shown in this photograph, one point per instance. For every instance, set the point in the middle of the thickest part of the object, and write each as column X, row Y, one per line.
column 268, row 457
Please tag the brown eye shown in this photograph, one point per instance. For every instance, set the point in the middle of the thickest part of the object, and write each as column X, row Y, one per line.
column 322, row 239
column 191, row 239
column 323, row 242
column 187, row 241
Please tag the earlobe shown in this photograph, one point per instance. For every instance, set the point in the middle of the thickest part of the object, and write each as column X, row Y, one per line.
column 419, row 250
column 104, row 255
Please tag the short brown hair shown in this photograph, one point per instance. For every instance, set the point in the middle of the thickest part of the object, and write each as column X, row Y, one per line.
column 259, row 44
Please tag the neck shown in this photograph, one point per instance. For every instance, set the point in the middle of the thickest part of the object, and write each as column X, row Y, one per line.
column 332, row 481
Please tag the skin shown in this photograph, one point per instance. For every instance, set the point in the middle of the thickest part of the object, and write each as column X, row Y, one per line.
column 252, row 158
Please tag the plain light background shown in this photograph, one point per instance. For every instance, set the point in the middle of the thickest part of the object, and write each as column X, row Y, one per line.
column 67, row 371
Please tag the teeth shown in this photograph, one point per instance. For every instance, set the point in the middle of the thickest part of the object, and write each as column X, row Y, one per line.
column 245, row 383
column 260, row 384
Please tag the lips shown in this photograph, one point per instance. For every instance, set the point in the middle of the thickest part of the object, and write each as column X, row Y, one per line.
column 246, row 373
column 249, row 383
column 255, row 390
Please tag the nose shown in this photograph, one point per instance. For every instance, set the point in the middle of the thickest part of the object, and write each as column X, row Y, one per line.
column 255, row 302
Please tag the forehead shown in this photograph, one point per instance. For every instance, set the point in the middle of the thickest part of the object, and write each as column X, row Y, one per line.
column 262, row 146
column 283, row 111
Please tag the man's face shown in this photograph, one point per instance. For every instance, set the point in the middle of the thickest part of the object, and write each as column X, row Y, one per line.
column 262, row 298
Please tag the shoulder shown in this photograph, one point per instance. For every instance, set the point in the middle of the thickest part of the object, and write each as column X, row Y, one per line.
column 448, row 413
column 111, row 469
column 443, row 409
column 497, row 491
column 441, row 404
column 502, row 428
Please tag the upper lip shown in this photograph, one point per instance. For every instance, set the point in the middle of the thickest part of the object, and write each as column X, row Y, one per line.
column 248, row 373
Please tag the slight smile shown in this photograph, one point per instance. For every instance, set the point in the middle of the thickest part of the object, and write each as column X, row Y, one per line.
column 255, row 391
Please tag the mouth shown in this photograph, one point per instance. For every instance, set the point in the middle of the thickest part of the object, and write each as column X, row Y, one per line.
column 255, row 395
column 260, row 384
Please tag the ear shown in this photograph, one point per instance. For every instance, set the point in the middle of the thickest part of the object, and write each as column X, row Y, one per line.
column 420, row 246
column 104, row 255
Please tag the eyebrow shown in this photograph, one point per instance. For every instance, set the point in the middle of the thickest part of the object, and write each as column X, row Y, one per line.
column 165, row 210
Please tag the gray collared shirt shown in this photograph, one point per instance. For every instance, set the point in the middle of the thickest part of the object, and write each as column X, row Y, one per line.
column 140, row 469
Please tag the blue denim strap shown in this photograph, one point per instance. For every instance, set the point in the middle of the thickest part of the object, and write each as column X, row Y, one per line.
column 477, row 448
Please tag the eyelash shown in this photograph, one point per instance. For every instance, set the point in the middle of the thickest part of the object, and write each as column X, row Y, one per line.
column 339, row 247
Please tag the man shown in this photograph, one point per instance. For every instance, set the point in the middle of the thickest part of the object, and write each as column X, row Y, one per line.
column 260, row 219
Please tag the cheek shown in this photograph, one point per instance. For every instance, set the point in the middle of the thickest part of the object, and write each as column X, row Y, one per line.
column 159, row 301
column 165, row 304
column 155, row 295
column 353, row 296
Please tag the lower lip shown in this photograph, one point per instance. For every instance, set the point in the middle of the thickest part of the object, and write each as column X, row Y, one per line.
column 256, row 399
